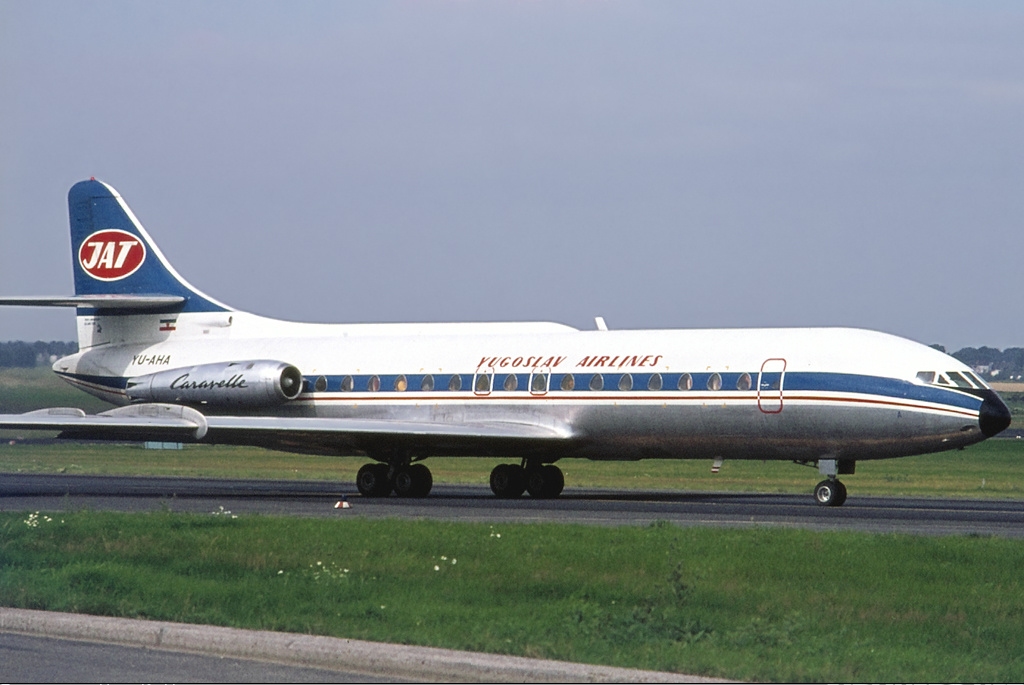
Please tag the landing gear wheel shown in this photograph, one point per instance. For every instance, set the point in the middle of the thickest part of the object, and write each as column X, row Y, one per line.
column 545, row 482
column 830, row 493
column 413, row 481
column 840, row 494
column 508, row 481
column 372, row 480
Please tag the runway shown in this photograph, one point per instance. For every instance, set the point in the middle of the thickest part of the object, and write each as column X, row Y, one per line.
column 54, row 493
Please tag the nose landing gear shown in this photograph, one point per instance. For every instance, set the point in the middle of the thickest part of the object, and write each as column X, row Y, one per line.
column 830, row 493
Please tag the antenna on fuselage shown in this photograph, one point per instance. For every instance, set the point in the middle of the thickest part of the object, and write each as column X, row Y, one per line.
column 601, row 325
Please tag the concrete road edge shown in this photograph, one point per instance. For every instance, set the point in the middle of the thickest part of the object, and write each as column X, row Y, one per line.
column 399, row 661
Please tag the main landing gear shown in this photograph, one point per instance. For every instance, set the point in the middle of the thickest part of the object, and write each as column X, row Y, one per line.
column 406, row 480
column 542, row 481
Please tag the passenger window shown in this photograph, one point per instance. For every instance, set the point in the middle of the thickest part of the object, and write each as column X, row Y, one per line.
column 483, row 382
column 743, row 382
column 625, row 382
column 373, row 385
column 347, row 384
column 428, row 383
column 455, row 383
column 539, row 383
column 597, row 382
column 654, row 383
column 686, row 382
column 715, row 382
column 321, row 384
column 568, row 382
column 401, row 384
column 511, row 382
column 926, row 376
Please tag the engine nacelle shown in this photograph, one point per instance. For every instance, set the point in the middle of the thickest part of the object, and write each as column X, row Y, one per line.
column 255, row 383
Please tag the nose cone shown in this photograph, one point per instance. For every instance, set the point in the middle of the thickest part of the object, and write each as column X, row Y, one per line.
column 993, row 417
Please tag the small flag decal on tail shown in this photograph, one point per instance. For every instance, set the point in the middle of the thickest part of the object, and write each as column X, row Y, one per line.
column 167, row 324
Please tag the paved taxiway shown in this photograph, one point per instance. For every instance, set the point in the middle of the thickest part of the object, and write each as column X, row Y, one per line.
column 54, row 493
column 42, row 646
column 42, row 659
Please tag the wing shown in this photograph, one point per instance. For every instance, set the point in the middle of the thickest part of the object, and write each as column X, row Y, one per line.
column 337, row 436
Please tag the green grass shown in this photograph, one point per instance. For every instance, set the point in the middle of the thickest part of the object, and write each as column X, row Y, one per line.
column 23, row 390
column 778, row 605
column 991, row 469
column 1015, row 402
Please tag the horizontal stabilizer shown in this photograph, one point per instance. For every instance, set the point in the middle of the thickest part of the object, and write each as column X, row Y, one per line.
column 139, row 303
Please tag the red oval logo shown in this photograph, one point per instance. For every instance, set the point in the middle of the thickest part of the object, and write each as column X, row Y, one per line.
column 111, row 254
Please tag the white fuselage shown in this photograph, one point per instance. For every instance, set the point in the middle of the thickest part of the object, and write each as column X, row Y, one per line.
column 799, row 394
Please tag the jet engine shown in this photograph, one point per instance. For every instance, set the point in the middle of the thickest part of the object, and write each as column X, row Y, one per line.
column 256, row 383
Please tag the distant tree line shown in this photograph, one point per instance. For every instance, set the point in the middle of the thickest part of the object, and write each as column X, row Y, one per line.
column 25, row 354
column 988, row 362
column 993, row 365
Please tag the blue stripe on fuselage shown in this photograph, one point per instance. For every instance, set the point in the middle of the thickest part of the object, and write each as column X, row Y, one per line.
column 878, row 385
column 795, row 382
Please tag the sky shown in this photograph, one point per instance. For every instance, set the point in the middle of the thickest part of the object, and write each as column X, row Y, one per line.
column 660, row 164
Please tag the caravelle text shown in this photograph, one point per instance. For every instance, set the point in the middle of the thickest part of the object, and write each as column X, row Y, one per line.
column 183, row 383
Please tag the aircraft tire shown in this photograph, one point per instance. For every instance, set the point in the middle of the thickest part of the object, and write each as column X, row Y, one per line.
column 546, row 482
column 413, row 481
column 840, row 494
column 372, row 480
column 830, row 493
column 508, row 481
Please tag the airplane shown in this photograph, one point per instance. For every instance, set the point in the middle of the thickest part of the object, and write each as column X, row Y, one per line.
column 183, row 367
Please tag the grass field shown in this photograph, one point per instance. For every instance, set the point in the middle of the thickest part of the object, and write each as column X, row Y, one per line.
column 23, row 390
column 775, row 605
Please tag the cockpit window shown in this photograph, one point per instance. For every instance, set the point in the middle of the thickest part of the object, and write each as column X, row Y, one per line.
column 974, row 379
column 960, row 381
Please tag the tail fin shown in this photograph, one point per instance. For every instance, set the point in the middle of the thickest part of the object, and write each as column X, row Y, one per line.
column 113, row 255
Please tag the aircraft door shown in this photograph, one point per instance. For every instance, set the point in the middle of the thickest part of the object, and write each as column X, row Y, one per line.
column 769, row 385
